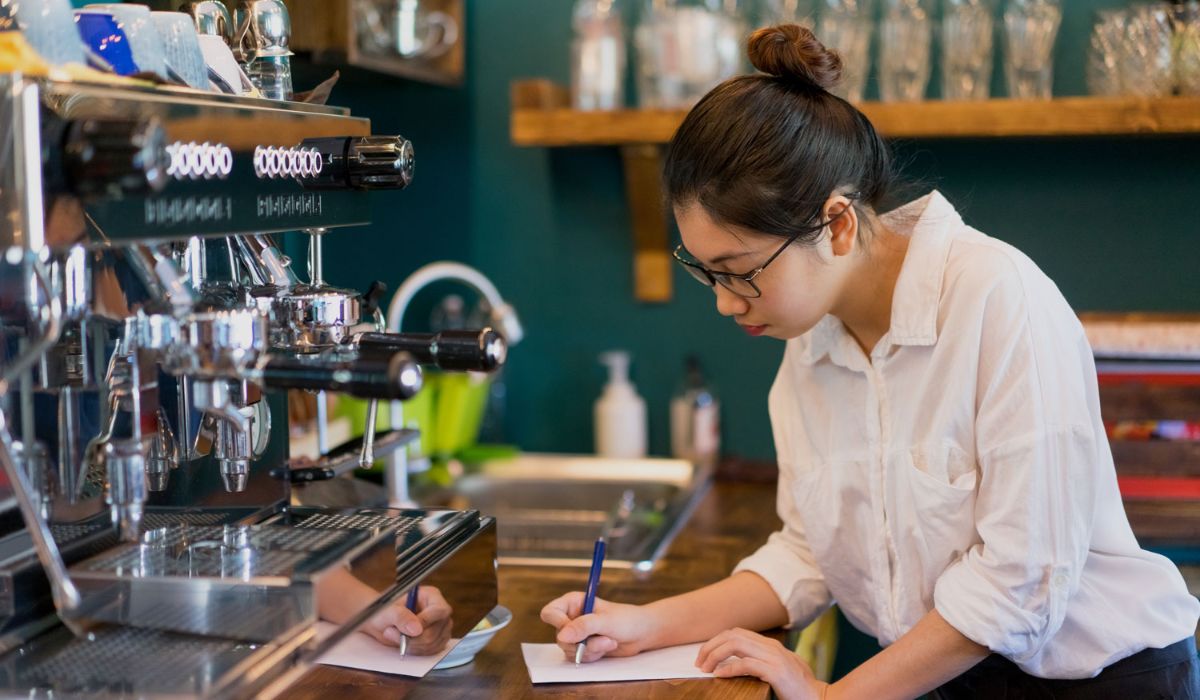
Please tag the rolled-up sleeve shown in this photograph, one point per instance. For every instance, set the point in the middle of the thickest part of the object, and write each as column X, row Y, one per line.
column 786, row 561
column 1037, row 439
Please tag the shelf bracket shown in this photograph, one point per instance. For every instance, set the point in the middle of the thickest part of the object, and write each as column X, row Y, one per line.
column 642, row 163
column 643, row 190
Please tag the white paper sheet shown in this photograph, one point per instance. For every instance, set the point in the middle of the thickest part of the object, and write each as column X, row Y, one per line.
column 359, row 651
column 547, row 664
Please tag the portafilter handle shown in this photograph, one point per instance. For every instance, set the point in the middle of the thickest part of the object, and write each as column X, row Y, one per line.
column 481, row 350
column 389, row 377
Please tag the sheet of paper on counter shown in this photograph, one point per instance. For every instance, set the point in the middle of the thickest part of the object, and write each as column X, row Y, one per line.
column 359, row 651
column 547, row 664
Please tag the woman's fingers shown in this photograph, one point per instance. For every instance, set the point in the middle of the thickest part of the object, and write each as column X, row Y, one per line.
column 429, row 598
column 432, row 640
column 563, row 609
column 596, row 648
column 735, row 642
column 583, row 627
column 746, row 666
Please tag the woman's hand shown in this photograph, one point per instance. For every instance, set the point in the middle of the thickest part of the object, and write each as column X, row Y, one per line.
column 739, row 652
column 612, row 629
column 428, row 630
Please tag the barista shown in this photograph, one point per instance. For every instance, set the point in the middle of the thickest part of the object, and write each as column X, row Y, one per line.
column 944, row 472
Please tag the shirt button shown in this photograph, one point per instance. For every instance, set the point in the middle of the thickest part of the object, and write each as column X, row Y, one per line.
column 1060, row 580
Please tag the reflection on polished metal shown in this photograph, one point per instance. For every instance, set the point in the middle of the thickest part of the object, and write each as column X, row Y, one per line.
column 220, row 343
column 151, row 330
column 212, row 17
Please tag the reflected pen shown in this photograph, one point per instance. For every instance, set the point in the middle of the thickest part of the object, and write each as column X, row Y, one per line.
column 411, row 604
column 589, row 598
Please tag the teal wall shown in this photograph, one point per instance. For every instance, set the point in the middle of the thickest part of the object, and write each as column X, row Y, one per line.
column 1115, row 222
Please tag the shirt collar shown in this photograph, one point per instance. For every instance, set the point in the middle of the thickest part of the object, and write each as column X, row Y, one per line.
column 930, row 222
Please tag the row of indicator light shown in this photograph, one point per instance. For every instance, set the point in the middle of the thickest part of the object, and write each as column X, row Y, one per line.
column 193, row 161
column 271, row 162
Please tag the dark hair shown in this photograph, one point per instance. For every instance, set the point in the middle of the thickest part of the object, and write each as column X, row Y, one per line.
column 766, row 151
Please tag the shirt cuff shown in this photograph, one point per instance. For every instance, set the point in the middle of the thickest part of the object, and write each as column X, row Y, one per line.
column 985, row 613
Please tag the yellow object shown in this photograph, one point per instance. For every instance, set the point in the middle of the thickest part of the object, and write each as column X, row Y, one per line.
column 448, row 411
column 817, row 644
column 17, row 56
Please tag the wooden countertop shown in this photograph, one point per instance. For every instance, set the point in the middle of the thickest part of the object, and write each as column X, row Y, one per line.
column 731, row 521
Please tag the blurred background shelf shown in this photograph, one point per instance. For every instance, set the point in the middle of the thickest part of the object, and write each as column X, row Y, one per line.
column 543, row 120
column 540, row 117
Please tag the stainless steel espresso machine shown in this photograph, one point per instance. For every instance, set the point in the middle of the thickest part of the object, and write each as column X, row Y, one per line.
column 150, row 331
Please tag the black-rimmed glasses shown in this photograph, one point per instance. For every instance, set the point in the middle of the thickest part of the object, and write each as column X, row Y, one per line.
column 743, row 285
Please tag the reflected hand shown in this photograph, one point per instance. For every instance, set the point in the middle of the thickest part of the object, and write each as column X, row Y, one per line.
column 428, row 630
column 612, row 629
column 739, row 652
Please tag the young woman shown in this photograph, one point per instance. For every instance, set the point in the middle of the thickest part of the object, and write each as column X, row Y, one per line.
column 944, row 472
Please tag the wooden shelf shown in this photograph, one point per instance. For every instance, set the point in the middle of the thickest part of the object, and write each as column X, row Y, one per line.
column 1065, row 116
column 540, row 117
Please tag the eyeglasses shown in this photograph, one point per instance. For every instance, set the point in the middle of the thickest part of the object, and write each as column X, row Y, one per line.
column 743, row 285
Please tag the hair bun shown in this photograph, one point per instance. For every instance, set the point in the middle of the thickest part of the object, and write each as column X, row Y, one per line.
column 792, row 52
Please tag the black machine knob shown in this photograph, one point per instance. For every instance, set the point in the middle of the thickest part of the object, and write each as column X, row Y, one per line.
column 397, row 376
column 362, row 162
column 477, row 350
column 105, row 157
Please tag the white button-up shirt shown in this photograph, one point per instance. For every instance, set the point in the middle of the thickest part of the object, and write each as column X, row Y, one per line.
column 963, row 466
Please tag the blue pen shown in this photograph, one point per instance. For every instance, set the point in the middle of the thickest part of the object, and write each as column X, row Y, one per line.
column 411, row 604
column 589, row 598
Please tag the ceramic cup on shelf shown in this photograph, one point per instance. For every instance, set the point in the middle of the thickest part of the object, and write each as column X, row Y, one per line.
column 105, row 37
column 144, row 41
column 49, row 27
column 182, row 46
column 421, row 32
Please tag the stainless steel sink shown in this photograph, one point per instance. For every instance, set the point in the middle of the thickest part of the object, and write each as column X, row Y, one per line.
column 550, row 508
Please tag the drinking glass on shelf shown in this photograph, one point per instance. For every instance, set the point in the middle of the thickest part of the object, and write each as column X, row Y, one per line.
column 684, row 48
column 905, row 34
column 1187, row 55
column 1147, row 61
column 1105, row 48
column 787, row 12
column 845, row 27
column 597, row 56
column 1030, row 29
column 967, row 30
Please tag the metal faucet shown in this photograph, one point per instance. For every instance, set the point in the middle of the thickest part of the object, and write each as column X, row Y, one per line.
column 503, row 316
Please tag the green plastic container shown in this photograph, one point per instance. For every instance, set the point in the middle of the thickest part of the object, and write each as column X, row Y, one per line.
column 448, row 411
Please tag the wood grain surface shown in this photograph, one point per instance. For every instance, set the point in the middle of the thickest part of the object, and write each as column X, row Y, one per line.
column 934, row 119
column 730, row 523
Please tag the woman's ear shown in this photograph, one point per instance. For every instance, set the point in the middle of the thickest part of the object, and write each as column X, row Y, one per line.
column 843, row 225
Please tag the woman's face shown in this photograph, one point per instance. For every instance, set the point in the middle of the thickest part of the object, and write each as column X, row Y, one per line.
column 798, row 288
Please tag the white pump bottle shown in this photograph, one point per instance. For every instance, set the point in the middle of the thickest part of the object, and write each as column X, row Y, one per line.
column 620, row 414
